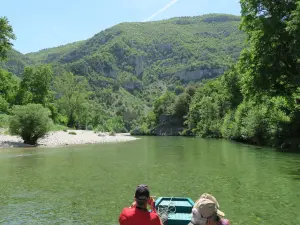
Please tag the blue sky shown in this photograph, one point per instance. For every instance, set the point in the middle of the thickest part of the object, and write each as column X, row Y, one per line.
column 40, row 24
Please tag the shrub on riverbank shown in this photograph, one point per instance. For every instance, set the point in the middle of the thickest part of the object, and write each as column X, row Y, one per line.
column 261, row 124
column 219, row 110
column 113, row 124
column 31, row 122
column 4, row 120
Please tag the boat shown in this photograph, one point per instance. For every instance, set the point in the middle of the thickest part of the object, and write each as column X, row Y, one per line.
column 174, row 210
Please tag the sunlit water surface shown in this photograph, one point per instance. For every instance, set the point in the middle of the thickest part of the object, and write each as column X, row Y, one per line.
column 90, row 184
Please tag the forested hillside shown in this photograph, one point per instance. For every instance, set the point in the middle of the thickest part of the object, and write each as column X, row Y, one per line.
column 15, row 62
column 129, row 65
column 136, row 55
column 192, row 69
column 257, row 100
column 208, row 44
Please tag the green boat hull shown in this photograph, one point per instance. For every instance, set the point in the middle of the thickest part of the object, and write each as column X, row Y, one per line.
column 179, row 210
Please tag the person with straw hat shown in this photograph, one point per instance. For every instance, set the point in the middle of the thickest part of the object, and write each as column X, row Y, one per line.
column 206, row 212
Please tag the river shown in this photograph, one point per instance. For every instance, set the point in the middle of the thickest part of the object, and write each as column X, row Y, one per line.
column 90, row 184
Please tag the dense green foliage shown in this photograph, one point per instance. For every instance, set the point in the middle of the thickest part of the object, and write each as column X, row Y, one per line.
column 30, row 121
column 127, row 67
column 15, row 63
column 8, row 88
column 6, row 35
column 257, row 101
column 131, row 74
column 48, row 55
column 72, row 96
column 131, row 64
column 35, row 85
column 171, row 103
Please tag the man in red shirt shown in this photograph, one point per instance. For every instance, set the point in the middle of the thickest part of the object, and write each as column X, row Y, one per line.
column 138, row 214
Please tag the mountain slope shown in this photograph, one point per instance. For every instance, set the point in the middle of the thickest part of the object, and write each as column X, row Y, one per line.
column 50, row 54
column 162, row 48
column 205, row 44
column 15, row 62
column 145, row 59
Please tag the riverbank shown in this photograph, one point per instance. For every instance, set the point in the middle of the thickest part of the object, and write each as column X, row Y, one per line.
column 69, row 137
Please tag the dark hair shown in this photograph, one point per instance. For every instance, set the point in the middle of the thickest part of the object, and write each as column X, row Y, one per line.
column 216, row 218
column 141, row 203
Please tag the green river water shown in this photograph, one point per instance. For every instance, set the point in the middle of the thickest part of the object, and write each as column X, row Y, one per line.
column 90, row 184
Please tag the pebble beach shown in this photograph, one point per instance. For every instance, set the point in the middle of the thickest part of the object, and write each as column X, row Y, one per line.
column 62, row 138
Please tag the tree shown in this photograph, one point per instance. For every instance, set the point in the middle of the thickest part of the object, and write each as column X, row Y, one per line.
column 115, row 124
column 164, row 104
column 293, row 27
column 98, row 115
column 8, row 86
column 6, row 35
column 31, row 122
column 3, row 105
column 191, row 90
column 72, row 93
column 231, row 82
column 178, row 89
column 208, row 108
column 85, row 114
column 268, row 67
column 181, row 106
column 35, row 86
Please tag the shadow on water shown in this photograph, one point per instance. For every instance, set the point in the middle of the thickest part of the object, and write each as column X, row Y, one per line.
column 15, row 144
column 295, row 173
column 287, row 162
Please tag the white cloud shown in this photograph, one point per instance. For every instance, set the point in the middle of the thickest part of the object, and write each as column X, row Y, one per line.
column 161, row 10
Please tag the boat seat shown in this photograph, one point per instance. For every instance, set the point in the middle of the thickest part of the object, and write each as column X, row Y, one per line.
column 179, row 218
column 181, row 206
column 183, row 213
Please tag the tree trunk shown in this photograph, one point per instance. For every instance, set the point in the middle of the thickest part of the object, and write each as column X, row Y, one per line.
column 30, row 141
column 71, row 120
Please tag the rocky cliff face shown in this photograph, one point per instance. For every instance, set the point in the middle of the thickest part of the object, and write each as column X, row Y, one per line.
column 132, row 85
column 198, row 74
column 195, row 75
column 168, row 126
column 139, row 65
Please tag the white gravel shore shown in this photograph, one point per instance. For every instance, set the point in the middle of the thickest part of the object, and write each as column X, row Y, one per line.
column 60, row 138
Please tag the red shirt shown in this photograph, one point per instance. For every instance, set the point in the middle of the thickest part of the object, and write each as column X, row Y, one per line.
column 134, row 216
